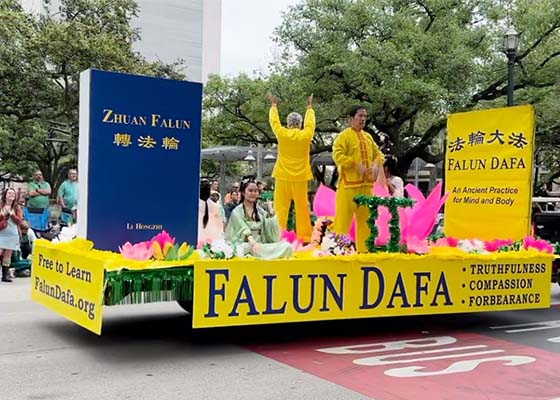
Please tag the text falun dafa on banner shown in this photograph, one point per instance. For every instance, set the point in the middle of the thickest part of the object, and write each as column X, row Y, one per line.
column 488, row 170
column 236, row 293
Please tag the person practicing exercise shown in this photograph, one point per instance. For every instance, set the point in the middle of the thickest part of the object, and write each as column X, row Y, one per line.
column 358, row 160
column 292, row 171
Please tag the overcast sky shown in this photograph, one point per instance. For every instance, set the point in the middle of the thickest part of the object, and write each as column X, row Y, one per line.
column 247, row 27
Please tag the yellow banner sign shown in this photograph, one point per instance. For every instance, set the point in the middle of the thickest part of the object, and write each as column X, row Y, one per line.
column 245, row 292
column 488, row 173
column 69, row 284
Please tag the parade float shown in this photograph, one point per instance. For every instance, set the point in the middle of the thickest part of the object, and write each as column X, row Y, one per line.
column 483, row 260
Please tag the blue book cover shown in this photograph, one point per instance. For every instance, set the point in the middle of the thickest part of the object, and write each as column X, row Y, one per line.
column 139, row 158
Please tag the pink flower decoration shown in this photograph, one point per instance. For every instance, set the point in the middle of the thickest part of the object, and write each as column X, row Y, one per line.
column 539, row 244
column 289, row 236
column 162, row 238
column 139, row 251
column 415, row 245
column 452, row 242
column 497, row 244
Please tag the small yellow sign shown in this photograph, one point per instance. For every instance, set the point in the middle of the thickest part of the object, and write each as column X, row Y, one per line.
column 245, row 292
column 68, row 283
column 488, row 170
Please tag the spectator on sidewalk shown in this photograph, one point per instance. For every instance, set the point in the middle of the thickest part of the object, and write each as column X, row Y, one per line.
column 229, row 206
column 210, row 224
column 39, row 192
column 27, row 239
column 216, row 198
column 234, row 188
column 10, row 219
column 68, row 195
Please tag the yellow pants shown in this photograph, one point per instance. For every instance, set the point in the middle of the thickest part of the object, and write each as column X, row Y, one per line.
column 284, row 193
column 346, row 209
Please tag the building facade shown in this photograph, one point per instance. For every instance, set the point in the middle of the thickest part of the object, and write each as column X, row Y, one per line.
column 171, row 30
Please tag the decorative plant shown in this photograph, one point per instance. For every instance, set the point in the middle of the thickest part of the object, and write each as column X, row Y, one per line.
column 220, row 249
column 338, row 245
column 139, row 251
column 539, row 244
column 160, row 247
column 393, row 204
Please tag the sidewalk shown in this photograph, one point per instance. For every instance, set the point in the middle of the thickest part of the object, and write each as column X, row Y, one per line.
column 18, row 290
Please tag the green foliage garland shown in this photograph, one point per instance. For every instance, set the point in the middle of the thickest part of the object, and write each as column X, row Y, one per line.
column 393, row 204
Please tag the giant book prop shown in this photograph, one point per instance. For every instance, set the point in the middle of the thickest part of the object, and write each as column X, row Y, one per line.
column 139, row 158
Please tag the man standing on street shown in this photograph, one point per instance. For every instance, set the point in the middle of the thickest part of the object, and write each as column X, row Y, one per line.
column 292, row 171
column 358, row 160
column 68, row 194
column 39, row 192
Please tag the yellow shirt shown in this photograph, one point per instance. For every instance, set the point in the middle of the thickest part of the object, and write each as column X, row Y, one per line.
column 350, row 149
column 293, row 147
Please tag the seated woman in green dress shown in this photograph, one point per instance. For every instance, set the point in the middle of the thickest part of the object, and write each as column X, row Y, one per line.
column 254, row 229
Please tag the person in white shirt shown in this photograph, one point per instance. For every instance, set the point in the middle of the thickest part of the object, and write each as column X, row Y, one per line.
column 210, row 224
column 395, row 184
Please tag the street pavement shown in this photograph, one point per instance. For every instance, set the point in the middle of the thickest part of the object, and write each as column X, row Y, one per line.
column 151, row 352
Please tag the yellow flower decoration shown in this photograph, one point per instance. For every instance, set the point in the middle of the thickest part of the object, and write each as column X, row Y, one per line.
column 158, row 253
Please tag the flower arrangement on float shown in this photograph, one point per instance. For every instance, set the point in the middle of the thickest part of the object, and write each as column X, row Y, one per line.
column 402, row 225
column 161, row 247
column 220, row 249
column 398, row 225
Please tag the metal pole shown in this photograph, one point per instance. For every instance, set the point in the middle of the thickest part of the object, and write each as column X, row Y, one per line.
column 511, row 64
column 222, row 177
column 432, row 171
column 536, row 177
column 259, row 162
column 416, row 172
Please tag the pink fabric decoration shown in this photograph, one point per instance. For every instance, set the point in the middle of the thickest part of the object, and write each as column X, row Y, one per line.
column 383, row 216
column 423, row 216
column 414, row 245
column 416, row 223
column 324, row 203
column 289, row 236
column 414, row 193
column 446, row 242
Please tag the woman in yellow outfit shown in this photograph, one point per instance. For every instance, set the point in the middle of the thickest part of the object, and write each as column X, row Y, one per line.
column 358, row 160
column 292, row 171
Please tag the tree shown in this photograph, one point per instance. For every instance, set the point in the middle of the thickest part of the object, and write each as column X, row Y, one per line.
column 40, row 61
column 410, row 62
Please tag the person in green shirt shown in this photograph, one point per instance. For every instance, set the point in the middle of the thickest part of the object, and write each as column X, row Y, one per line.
column 39, row 191
column 68, row 194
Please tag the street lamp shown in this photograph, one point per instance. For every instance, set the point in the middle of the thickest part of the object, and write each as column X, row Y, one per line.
column 432, row 175
column 511, row 40
column 269, row 157
column 249, row 157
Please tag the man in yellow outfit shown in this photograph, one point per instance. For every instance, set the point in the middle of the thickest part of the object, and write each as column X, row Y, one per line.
column 292, row 171
column 358, row 160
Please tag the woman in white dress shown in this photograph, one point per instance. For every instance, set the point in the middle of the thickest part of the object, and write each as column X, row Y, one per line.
column 11, row 216
column 210, row 225
column 395, row 184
